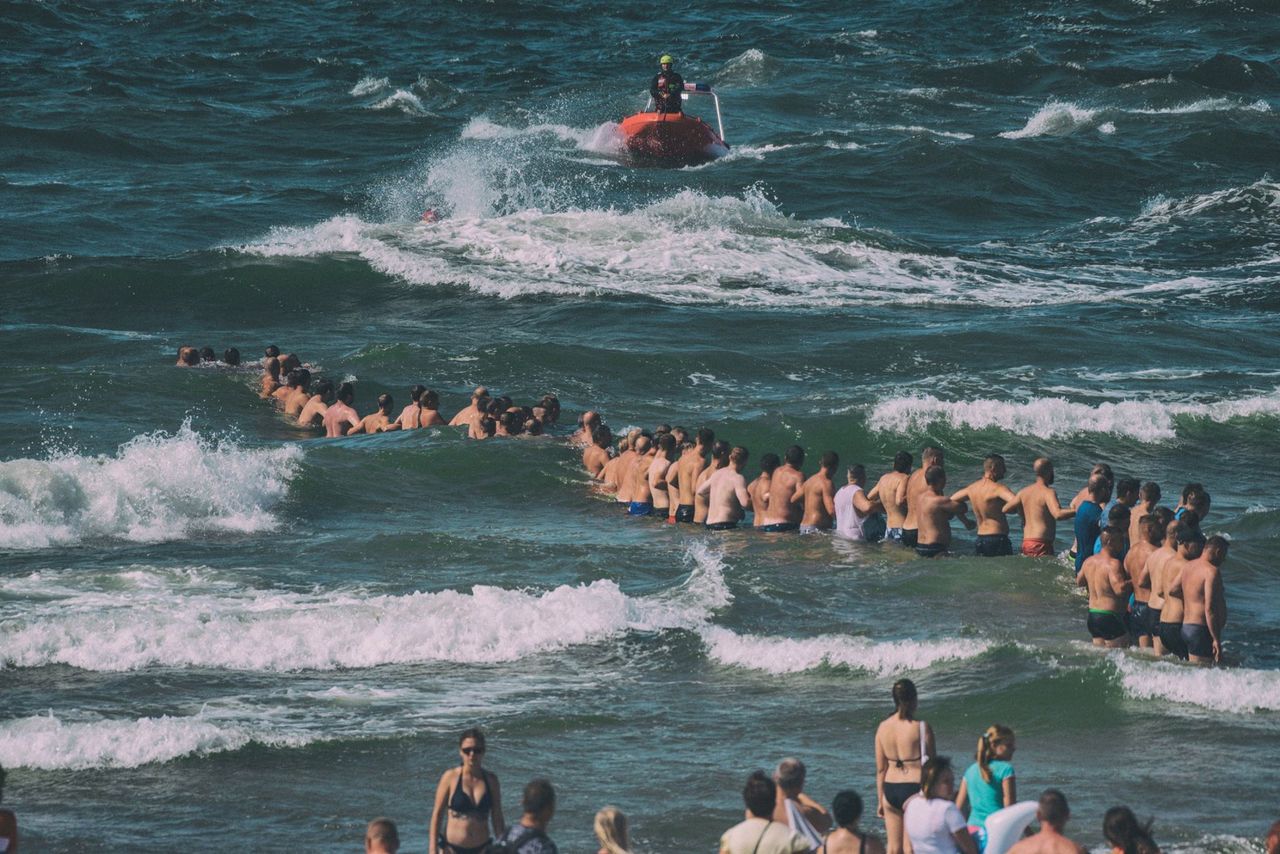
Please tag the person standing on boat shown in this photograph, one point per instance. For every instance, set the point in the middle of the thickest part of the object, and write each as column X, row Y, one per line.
column 666, row 87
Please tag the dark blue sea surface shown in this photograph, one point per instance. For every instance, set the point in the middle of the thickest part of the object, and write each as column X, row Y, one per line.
column 1041, row 229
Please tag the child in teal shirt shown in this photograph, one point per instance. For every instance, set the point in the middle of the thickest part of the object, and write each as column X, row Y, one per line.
column 988, row 784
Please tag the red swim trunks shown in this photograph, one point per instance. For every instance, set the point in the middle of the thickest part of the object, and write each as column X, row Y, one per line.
column 1037, row 548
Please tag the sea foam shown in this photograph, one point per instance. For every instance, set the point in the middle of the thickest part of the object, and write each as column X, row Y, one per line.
column 1239, row 691
column 779, row 655
column 159, row 486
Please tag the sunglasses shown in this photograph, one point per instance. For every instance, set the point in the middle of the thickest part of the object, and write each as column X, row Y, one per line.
column 467, row 751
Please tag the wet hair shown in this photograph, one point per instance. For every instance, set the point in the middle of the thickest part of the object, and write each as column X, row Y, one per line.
column 294, row 380
column 1113, row 534
column 1215, row 549
column 739, row 454
column 1127, row 486
column 1121, row 828
column 533, row 427
column 1190, row 518
column 383, row 830
column 188, row 355
column 857, row 473
column 1149, row 491
column 611, row 831
column 904, row 694
column 1199, row 503
column 272, row 368
column 1053, row 809
column 935, row 476
column 289, row 362
column 1191, row 489
column 1165, row 515
column 1104, row 470
column 430, row 399
column 760, row 794
column 538, row 797
column 488, row 426
column 415, row 393
column 706, row 436
column 642, row 444
column 830, row 460
column 680, row 433
column 1099, row 487
column 996, row 734
column 506, row 401
column 385, row 402
column 207, row 355
column 272, row 351
column 1192, row 538
column 661, row 428
column 794, row 456
column 602, row 436
column 1152, row 530
column 720, row 450
column 550, row 408
column 474, row 733
column 346, row 392
column 769, row 462
column 934, row 770
column 846, row 809
column 512, row 422
column 929, row 455
column 324, row 388
column 231, row 356
column 667, row 446
column 1042, row 467
column 789, row 775
column 1119, row 514
column 589, row 418
column 902, row 462
column 992, row 462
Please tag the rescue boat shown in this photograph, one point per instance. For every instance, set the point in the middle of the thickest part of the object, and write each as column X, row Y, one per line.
column 675, row 139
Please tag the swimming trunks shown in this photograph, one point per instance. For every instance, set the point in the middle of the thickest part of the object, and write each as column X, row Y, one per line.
column 779, row 528
column 721, row 526
column 1171, row 637
column 893, row 535
column 684, row 513
column 1037, row 548
column 1197, row 640
column 451, row 848
column 910, row 536
column 896, row 795
column 640, row 508
column 1139, row 619
column 931, row 549
column 993, row 545
column 1153, row 620
column 1106, row 625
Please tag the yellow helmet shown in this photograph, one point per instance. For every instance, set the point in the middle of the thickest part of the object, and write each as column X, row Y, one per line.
column 665, row 59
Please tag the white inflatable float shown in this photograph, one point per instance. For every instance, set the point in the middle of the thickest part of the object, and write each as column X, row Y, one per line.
column 1006, row 826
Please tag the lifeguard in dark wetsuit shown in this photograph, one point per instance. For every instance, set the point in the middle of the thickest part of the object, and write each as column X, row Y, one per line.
column 666, row 88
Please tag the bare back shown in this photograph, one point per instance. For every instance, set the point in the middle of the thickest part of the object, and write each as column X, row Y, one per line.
column 783, row 485
column 688, row 467
column 898, row 745
column 1171, row 575
column 819, row 501
column 759, row 492
column 914, row 488
column 934, row 516
column 1039, row 507
column 1135, row 563
column 987, row 498
column 338, row 419
column 886, row 491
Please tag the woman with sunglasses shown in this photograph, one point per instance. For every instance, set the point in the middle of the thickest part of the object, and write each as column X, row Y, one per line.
column 472, row 799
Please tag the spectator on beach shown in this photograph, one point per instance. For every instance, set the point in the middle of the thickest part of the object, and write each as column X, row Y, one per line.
column 8, row 823
column 988, row 784
column 794, row 808
column 1052, row 813
column 759, row 833
column 1121, row 828
column 903, row 745
column 847, row 838
column 529, row 834
column 381, row 837
column 931, row 820
column 471, row 798
column 611, row 831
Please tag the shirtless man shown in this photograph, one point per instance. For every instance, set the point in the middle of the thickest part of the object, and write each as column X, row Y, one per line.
column 758, row 489
column 817, row 495
column 313, row 413
column 596, row 455
column 911, row 489
column 725, row 491
column 614, row 473
column 1052, row 815
column 1204, row 612
column 701, row 501
column 410, row 416
column 1190, row 546
column 1151, row 535
column 1148, row 499
column 1154, row 572
column 781, row 514
column 472, row 410
column 339, row 417
column 1038, row 505
column 188, row 357
column 857, row 516
column 626, row 463
column 662, row 460
column 685, row 473
column 934, row 512
column 638, row 489
column 378, row 421
column 988, row 496
column 270, row 378
column 886, row 491
column 299, row 392
column 790, row 777
column 1109, row 590
column 586, row 431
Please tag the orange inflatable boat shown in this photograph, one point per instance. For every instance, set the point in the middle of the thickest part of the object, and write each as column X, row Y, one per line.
column 674, row 138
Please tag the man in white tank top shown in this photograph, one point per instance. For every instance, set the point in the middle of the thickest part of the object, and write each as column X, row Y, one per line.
column 856, row 515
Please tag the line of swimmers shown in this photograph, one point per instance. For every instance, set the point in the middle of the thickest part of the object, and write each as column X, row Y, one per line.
column 1164, row 594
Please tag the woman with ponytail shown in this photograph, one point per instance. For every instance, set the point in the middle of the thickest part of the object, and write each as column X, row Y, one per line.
column 903, row 745
column 1121, row 828
column 989, row 784
column 933, row 823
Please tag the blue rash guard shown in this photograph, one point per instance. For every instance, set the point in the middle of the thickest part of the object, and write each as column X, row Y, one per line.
column 1088, row 527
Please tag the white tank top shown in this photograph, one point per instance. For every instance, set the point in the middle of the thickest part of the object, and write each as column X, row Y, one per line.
column 848, row 522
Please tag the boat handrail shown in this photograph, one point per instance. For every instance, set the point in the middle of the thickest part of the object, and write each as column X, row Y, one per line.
column 697, row 89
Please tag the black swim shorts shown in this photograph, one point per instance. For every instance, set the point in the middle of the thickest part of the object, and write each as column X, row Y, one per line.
column 993, row 545
column 1106, row 625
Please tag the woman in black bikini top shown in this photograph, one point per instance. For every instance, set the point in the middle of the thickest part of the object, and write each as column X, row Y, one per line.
column 469, row 817
column 846, row 809
column 897, row 771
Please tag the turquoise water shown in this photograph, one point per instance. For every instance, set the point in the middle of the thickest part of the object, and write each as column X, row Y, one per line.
column 1059, row 238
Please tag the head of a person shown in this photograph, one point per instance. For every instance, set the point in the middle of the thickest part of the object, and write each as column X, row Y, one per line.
column 488, row 426
column 272, row 367
column 1099, row 488
column 602, row 436
column 760, row 794
column 324, row 388
column 681, row 435
column 931, row 456
column 1150, row 493
column 1122, row 829
column 1190, row 541
column 207, row 355
column 1104, row 470
column 738, row 457
column 1165, row 515
column 665, row 62
column 385, row 402
column 532, row 427
column 272, row 351
column 290, row 362
column 642, row 445
column 1152, row 530
column 1190, row 489
column 415, row 393
column 479, row 393
column 794, row 456
column 706, row 437
column 1215, row 549
column 189, row 356
column 611, row 831
column 471, row 746
column 993, row 466
column 936, row 478
column 539, row 800
column 231, row 356
column 789, row 775
column 1199, row 504
column 1119, row 514
column 720, row 451
column 902, row 462
column 846, row 809
column 381, row 837
column 550, row 408
column 905, row 697
column 1053, row 809
column 1127, row 489
column 1043, row 467
column 512, row 423
column 430, row 399
column 998, row 742
column 769, row 462
column 937, row 780
column 667, row 446
column 1114, row 539
column 829, row 461
column 294, row 380
column 347, row 393
column 857, row 474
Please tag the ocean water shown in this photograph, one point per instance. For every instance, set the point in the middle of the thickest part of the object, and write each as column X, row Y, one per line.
column 1044, row 228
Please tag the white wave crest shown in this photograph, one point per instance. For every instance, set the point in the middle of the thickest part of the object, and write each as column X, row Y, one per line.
column 1056, row 417
column 749, row 68
column 368, row 86
column 158, row 618
column 404, row 101
column 156, row 487
column 1063, row 118
column 794, row 655
column 1262, row 196
column 1056, row 118
column 1239, row 691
